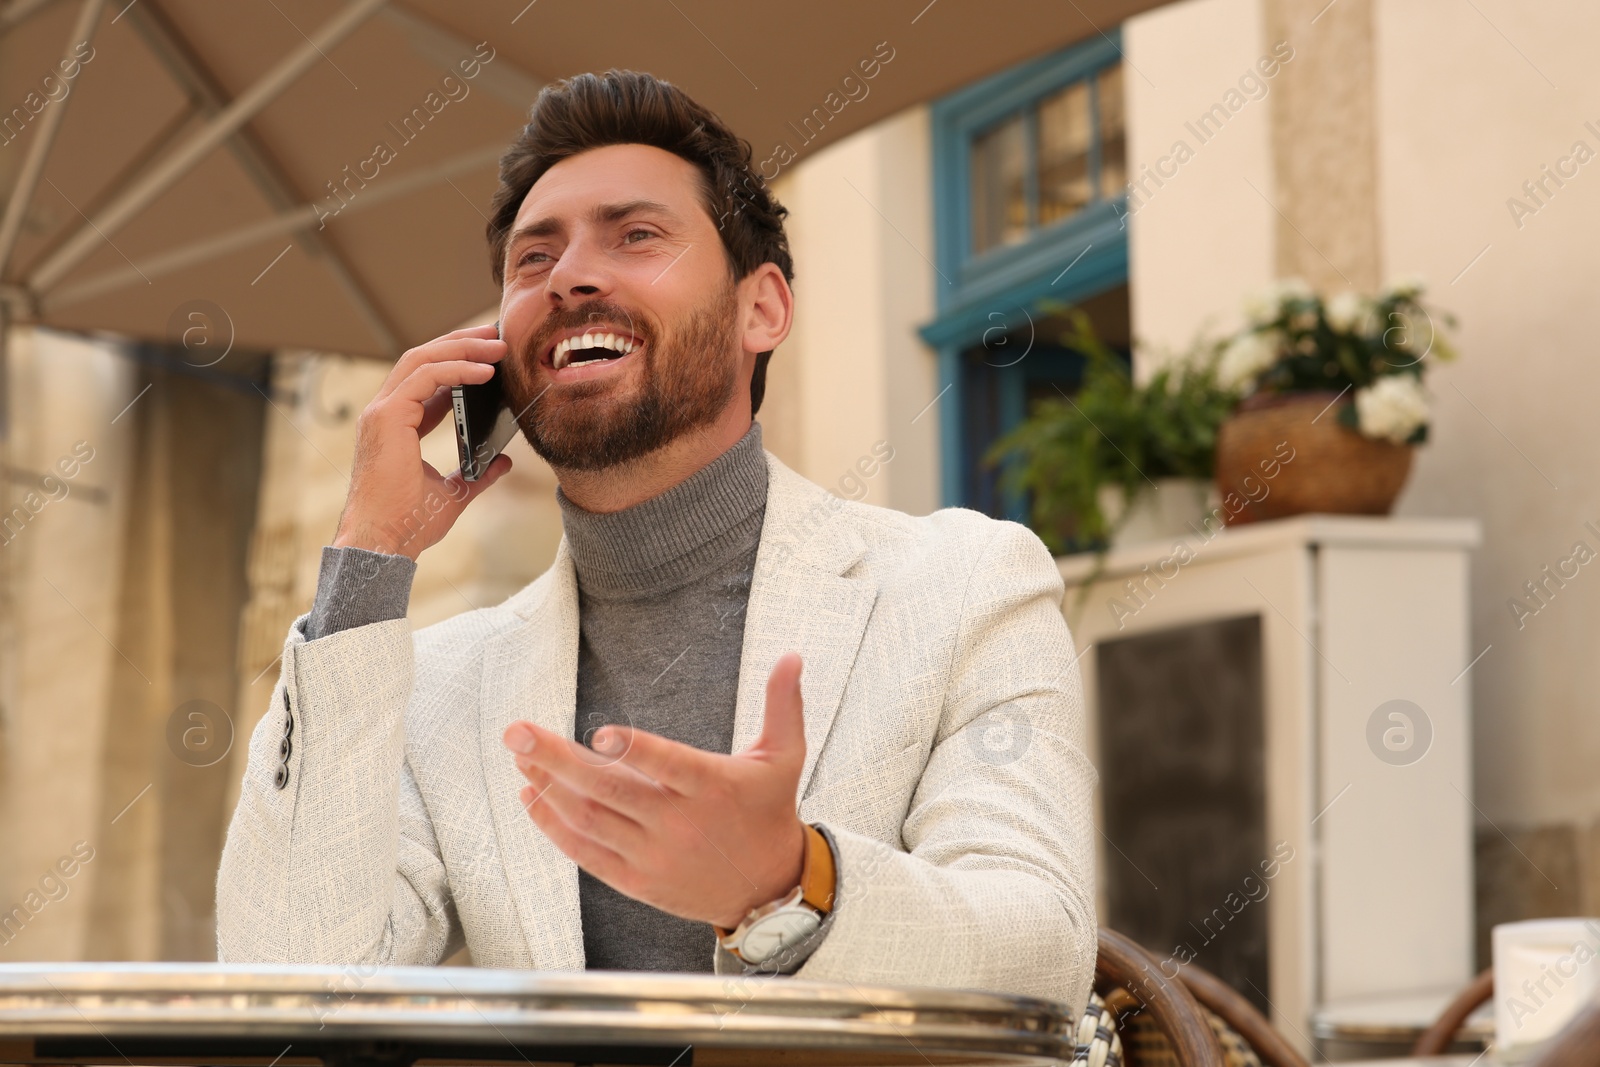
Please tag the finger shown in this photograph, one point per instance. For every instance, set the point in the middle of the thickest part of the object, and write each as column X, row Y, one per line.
column 583, row 771
column 434, row 410
column 478, row 344
column 588, row 817
column 463, row 344
column 682, row 768
column 589, row 854
column 464, row 492
column 783, row 727
column 457, row 492
column 406, row 400
column 457, row 487
column 488, row 329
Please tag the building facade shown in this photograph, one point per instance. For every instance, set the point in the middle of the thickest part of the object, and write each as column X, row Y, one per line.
column 1153, row 175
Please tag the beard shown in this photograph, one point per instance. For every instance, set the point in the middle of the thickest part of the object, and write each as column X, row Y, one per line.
column 685, row 381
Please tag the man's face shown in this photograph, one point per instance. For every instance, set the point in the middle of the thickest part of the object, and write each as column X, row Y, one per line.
column 613, row 247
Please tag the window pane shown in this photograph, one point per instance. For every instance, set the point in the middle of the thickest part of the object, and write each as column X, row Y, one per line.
column 1064, row 153
column 1113, row 134
column 999, row 204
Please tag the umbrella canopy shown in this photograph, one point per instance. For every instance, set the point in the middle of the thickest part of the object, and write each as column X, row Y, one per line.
column 312, row 173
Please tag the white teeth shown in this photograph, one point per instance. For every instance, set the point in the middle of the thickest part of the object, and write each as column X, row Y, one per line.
column 562, row 355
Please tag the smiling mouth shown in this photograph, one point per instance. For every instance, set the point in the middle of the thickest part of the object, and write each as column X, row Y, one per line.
column 591, row 347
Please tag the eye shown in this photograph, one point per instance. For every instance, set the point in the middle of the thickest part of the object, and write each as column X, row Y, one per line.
column 628, row 237
column 537, row 258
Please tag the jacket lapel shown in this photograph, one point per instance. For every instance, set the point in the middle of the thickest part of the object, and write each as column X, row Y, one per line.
column 531, row 672
column 800, row 601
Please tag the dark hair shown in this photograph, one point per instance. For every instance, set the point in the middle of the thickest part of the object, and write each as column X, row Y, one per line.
column 629, row 107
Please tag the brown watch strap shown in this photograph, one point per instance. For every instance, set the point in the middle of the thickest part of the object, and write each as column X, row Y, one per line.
column 817, row 876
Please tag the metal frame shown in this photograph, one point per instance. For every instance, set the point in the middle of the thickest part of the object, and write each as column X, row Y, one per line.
column 199, row 1012
column 168, row 158
column 19, row 11
column 186, row 68
column 298, row 218
column 44, row 139
column 433, row 42
column 187, row 156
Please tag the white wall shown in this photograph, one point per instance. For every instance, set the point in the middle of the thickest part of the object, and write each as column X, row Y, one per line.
column 861, row 230
column 1466, row 116
column 1202, row 238
column 1471, row 101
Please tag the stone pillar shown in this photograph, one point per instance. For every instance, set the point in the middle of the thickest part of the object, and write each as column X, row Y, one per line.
column 196, row 466
column 61, row 549
column 1324, row 145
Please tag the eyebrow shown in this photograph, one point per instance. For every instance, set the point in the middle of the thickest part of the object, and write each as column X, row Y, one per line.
column 601, row 213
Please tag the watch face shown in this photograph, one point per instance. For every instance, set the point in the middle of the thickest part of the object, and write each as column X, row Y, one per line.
column 776, row 932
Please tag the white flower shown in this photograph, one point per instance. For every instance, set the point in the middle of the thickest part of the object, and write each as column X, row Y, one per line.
column 1292, row 289
column 1245, row 357
column 1408, row 286
column 1266, row 305
column 1347, row 312
column 1261, row 307
column 1392, row 407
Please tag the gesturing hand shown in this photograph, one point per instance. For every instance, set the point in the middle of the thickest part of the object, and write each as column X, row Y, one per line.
column 698, row 834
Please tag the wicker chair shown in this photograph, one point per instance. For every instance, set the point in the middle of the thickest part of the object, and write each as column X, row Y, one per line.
column 1436, row 1038
column 1219, row 998
column 1126, row 973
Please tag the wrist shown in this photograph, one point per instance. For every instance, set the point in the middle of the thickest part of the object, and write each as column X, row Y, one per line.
column 781, row 932
column 785, row 885
column 366, row 536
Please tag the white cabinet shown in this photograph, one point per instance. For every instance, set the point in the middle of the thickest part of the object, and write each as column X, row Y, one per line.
column 1364, row 738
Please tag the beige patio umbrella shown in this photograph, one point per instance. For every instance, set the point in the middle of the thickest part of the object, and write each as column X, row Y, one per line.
column 314, row 172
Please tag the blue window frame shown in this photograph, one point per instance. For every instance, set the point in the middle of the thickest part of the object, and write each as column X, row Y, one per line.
column 1049, row 226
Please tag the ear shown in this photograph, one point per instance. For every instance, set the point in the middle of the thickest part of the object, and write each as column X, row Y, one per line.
column 766, row 304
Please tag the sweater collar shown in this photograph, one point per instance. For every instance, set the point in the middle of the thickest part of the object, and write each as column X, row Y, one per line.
column 703, row 522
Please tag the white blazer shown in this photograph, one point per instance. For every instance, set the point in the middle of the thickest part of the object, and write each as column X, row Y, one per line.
column 944, row 732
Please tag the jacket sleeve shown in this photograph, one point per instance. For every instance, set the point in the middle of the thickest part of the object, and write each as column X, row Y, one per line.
column 995, row 886
column 331, row 857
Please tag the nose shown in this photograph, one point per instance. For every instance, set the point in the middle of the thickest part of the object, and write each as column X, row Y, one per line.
column 580, row 273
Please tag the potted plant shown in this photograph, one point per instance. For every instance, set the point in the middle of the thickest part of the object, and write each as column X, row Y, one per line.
column 1338, row 382
column 1118, row 460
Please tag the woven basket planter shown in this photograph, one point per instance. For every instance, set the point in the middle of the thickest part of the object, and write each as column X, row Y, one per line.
column 1289, row 455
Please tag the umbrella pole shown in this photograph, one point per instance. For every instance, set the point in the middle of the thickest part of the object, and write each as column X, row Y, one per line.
column 162, row 176
column 44, row 138
column 8, row 577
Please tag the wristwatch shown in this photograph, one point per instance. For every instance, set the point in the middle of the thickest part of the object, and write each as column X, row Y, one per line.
column 784, row 922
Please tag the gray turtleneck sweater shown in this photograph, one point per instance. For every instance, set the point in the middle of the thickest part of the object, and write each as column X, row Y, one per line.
column 662, row 590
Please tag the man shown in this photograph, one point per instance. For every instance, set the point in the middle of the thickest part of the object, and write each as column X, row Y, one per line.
column 828, row 740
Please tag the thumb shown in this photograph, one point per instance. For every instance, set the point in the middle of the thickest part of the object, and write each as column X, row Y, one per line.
column 497, row 467
column 462, row 492
column 783, row 728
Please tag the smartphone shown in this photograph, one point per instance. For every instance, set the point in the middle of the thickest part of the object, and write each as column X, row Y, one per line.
column 484, row 423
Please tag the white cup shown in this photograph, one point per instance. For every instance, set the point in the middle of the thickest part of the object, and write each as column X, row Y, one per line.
column 1545, row 972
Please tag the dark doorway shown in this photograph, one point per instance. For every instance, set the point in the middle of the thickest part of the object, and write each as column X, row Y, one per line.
column 1182, row 773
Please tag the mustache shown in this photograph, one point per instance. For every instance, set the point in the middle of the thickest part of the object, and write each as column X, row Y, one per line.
column 598, row 312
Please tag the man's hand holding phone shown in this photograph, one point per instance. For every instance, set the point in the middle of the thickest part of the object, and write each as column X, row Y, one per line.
column 398, row 502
